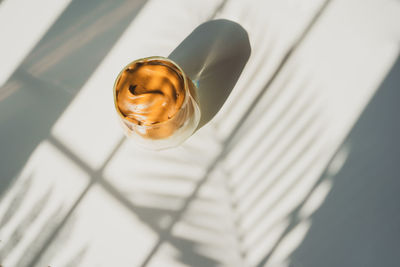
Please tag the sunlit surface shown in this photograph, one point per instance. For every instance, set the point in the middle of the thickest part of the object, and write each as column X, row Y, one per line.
column 37, row 203
column 20, row 29
column 297, row 169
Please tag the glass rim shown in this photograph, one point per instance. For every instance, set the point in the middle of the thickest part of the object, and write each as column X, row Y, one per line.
column 185, row 84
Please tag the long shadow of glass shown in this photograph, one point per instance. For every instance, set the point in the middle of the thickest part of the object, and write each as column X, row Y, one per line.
column 53, row 73
column 214, row 56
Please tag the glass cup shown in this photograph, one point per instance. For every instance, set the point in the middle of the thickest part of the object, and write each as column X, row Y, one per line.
column 156, row 102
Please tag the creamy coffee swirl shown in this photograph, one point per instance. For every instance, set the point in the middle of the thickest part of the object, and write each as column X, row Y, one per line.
column 150, row 94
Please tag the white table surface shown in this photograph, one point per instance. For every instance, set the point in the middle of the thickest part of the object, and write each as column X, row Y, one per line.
column 308, row 178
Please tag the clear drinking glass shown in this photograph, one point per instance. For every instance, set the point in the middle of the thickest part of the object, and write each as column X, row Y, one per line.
column 156, row 102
